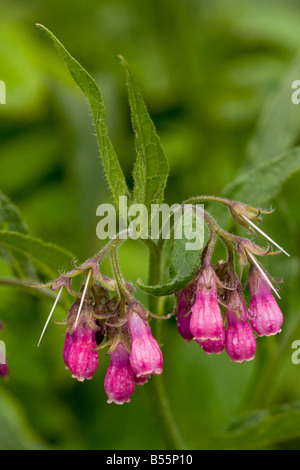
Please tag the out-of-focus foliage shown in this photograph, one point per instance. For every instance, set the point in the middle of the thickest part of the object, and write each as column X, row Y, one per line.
column 211, row 73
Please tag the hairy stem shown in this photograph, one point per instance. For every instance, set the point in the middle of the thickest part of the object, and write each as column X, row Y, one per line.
column 201, row 199
column 123, row 292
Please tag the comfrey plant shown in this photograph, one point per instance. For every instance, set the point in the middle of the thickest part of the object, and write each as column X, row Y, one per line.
column 105, row 313
column 209, row 302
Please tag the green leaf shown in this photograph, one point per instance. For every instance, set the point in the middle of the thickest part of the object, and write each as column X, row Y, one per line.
column 278, row 126
column 260, row 429
column 151, row 168
column 184, row 260
column 88, row 86
column 11, row 219
column 50, row 258
column 264, row 182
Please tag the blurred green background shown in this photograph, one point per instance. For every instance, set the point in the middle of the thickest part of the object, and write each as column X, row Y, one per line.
column 206, row 69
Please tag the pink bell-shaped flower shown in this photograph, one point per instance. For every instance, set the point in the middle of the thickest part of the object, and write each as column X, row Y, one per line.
column 206, row 320
column 119, row 379
column 79, row 348
column 264, row 314
column 240, row 341
column 146, row 357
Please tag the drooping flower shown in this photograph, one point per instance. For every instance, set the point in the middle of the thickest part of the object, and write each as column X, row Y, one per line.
column 119, row 379
column 79, row 352
column 264, row 314
column 184, row 297
column 145, row 357
column 240, row 341
column 206, row 320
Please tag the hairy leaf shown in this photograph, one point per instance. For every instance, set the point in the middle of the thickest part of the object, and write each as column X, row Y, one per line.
column 88, row 86
column 264, row 182
column 47, row 256
column 151, row 167
column 11, row 219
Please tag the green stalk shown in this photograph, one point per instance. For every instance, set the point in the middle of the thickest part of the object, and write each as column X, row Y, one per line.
column 156, row 391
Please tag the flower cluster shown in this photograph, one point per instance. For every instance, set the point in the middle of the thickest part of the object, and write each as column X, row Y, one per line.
column 97, row 315
column 211, row 310
column 200, row 318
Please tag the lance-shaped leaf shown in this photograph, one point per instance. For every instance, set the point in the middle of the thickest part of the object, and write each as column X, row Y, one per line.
column 185, row 257
column 264, row 182
column 48, row 257
column 278, row 127
column 10, row 216
column 11, row 219
column 151, row 168
column 88, row 86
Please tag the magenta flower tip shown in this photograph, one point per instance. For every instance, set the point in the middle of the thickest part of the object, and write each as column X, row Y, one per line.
column 141, row 380
column 240, row 341
column 213, row 346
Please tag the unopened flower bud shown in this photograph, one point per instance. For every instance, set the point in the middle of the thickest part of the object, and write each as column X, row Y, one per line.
column 119, row 379
column 264, row 314
column 146, row 357
column 184, row 297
